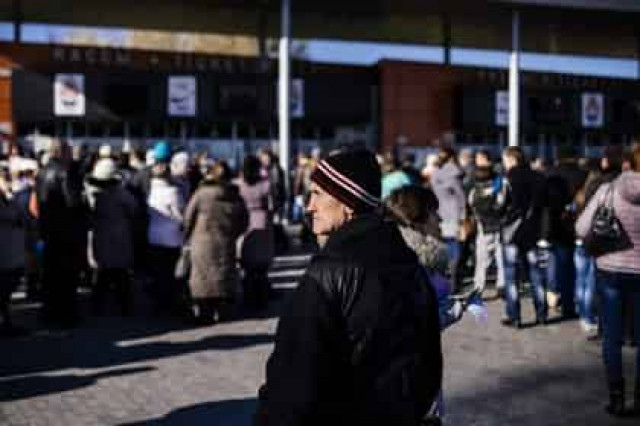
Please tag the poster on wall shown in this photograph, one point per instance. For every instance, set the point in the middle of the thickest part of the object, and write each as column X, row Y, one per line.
column 182, row 96
column 296, row 96
column 592, row 110
column 69, row 99
column 502, row 108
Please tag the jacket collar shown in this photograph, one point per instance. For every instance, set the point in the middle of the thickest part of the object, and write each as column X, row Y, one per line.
column 357, row 226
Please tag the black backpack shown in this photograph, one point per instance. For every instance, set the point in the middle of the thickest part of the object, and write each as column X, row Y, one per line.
column 486, row 204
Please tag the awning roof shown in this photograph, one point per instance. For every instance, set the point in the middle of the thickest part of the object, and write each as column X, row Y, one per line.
column 570, row 26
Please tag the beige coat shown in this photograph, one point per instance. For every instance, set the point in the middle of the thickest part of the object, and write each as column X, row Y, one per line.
column 216, row 216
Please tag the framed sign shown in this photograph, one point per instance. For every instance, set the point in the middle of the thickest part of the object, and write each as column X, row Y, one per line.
column 592, row 110
column 296, row 96
column 182, row 96
column 69, row 98
column 502, row 108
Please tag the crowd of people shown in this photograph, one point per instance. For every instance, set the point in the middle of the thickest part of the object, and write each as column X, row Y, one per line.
column 107, row 219
column 200, row 238
column 531, row 225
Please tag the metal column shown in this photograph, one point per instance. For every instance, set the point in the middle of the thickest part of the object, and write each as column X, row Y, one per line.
column 284, row 82
column 17, row 21
column 514, row 81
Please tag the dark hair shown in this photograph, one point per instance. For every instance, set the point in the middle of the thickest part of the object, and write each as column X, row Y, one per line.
column 635, row 158
column 445, row 154
column 411, row 205
column 220, row 172
column 485, row 153
column 251, row 168
column 516, row 153
column 614, row 155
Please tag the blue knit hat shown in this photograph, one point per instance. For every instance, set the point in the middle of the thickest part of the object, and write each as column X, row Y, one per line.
column 162, row 152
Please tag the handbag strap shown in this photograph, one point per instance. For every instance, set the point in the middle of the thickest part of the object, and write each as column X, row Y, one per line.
column 607, row 198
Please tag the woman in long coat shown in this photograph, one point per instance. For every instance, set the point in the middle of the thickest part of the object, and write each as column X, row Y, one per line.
column 216, row 216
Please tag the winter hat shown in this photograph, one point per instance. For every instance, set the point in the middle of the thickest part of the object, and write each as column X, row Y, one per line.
column 179, row 164
column 353, row 177
column 105, row 169
column 162, row 152
column 19, row 165
column 149, row 158
column 104, row 151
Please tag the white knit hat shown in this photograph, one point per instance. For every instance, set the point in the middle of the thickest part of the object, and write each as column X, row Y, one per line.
column 105, row 169
column 104, row 151
column 179, row 163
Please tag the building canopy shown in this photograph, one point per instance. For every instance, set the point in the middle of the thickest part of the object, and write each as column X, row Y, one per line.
column 581, row 27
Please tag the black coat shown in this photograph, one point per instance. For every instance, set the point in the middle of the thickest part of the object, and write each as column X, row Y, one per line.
column 559, row 210
column 63, row 217
column 359, row 342
column 524, row 207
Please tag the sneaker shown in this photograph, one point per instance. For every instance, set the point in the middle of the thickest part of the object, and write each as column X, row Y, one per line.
column 553, row 299
column 587, row 327
column 508, row 322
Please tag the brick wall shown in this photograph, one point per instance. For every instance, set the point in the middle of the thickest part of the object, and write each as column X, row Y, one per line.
column 417, row 102
column 7, row 126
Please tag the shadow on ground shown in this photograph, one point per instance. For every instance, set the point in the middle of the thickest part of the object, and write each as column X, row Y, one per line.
column 235, row 412
column 73, row 351
column 29, row 387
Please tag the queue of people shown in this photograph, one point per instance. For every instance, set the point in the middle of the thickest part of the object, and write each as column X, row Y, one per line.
column 107, row 220
column 530, row 226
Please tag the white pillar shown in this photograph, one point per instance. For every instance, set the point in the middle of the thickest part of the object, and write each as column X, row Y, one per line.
column 514, row 81
column 284, row 82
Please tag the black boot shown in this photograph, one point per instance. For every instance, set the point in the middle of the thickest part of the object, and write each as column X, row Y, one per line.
column 636, row 402
column 616, row 399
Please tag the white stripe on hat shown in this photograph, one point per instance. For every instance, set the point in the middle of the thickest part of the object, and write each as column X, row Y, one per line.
column 348, row 184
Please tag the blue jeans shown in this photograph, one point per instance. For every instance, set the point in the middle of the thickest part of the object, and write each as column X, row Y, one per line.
column 585, row 285
column 532, row 258
column 613, row 288
column 454, row 251
column 560, row 277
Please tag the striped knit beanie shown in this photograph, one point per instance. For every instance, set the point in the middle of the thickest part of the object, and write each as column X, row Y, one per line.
column 352, row 177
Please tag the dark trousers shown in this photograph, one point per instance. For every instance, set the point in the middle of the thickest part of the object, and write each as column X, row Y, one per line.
column 614, row 289
column 256, row 287
column 164, row 288
column 120, row 279
column 9, row 281
column 59, row 288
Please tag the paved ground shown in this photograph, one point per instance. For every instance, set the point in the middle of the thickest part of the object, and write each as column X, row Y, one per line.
column 156, row 370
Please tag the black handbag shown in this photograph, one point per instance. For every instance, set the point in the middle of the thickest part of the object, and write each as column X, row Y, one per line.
column 606, row 234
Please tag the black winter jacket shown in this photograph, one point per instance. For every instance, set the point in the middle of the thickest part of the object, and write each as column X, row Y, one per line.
column 359, row 342
column 524, row 206
column 559, row 211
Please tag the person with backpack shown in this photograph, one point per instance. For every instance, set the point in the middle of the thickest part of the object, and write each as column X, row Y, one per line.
column 359, row 341
column 486, row 200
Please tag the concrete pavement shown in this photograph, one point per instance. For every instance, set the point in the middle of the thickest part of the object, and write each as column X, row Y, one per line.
column 151, row 369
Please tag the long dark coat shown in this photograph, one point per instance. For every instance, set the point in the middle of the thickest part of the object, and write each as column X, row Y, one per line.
column 216, row 216
column 112, row 219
